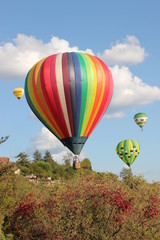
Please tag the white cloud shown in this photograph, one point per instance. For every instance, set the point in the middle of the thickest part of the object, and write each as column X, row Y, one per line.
column 114, row 114
column 18, row 56
column 126, row 53
column 129, row 91
column 45, row 140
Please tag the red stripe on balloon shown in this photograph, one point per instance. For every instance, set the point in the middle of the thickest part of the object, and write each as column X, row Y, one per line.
column 60, row 113
column 38, row 98
column 67, row 89
column 109, row 83
column 47, row 91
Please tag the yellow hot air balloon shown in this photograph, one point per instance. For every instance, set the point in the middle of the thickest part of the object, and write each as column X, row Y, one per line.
column 18, row 92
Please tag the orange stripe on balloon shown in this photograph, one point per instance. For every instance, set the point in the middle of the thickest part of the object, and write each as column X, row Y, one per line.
column 42, row 102
column 94, row 90
column 99, row 93
column 46, row 83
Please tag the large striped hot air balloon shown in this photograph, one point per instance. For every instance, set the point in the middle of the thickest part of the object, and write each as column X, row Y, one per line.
column 128, row 150
column 69, row 93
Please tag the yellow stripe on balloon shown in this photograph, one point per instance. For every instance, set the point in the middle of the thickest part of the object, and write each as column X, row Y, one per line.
column 45, row 109
column 32, row 93
column 94, row 89
column 100, row 99
column 89, row 91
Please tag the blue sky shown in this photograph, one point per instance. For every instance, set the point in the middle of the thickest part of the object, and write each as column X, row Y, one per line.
column 125, row 35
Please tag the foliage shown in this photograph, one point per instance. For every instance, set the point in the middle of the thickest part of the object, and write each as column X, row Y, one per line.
column 22, row 159
column 99, row 206
column 48, row 158
column 37, row 156
column 67, row 158
column 77, row 205
column 86, row 164
column 3, row 139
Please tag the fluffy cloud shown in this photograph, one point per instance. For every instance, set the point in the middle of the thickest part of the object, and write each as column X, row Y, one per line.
column 45, row 140
column 126, row 53
column 18, row 56
column 129, row 91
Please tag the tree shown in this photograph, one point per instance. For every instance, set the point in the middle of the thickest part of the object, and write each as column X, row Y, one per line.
column 37, row 156
column 41, row 169
column 23, row 159
column 48, row 157
column 3, row 139
column 67, row 158
column 126, row 173
column 86, row 164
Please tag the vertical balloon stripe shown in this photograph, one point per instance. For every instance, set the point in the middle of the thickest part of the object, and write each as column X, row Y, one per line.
column 33, row 102
column 41, row 100
column 46, row 86
column 104, row 80
column 33, row 96
column 46, row 95
column 106, row 96
column 66, row 83
column 78, row 82
column 89, row 90
column 126, row 152
column 94, row 90
column 108, row 87
column 61, row 90
column 72, row 89
column 84, row 92
column 132, row 153
column 122, row 147
column 99, row 94
column 55, row 93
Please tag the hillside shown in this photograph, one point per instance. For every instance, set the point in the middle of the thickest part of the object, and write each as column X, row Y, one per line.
column 80, row 204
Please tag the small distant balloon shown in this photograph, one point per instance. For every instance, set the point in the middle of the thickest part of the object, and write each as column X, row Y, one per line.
column 128, row 150
column 18, row 92
column 140, row 119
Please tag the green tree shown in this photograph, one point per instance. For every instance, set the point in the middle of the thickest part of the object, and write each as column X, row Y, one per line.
column 45, row 165
column 37, row 156
column 125, row 173
column 86, row 164
column 48, row 157
column 67, row 158
column 22, row 159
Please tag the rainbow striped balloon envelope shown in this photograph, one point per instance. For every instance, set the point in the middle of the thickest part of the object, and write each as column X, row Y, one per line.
column 69, row 93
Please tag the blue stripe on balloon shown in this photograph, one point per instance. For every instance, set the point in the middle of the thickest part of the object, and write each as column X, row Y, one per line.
column 77, row 70
column 72, row 89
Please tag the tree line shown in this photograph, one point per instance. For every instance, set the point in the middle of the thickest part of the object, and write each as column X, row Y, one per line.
column 46, row 166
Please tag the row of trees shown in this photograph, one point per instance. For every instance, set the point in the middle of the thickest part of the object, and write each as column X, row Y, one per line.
column 45, row 166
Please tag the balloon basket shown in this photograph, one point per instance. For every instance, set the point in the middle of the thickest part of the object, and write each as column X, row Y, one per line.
column 76, row 163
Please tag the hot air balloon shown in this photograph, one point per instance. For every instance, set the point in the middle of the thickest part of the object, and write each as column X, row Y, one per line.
column 69, row 93
column 128, row 150
column 18, row 92
column 140, row 119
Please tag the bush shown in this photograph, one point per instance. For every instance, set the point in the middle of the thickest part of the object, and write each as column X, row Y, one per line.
column 86, row 208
